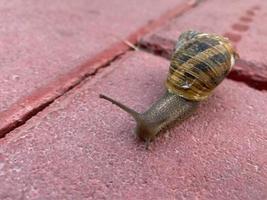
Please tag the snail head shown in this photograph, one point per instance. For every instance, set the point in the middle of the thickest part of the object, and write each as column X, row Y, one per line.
column 144, row 130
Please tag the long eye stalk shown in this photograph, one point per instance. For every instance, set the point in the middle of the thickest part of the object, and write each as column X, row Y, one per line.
column 133, row 113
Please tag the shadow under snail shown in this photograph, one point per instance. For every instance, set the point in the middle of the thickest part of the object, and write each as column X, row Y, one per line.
column 199, row 64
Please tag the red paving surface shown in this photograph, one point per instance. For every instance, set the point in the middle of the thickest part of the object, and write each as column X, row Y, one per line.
column 49, row 47
column 241, row 22
column 82, row 147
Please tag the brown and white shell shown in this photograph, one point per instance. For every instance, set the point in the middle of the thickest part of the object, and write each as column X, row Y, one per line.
column 199, row 63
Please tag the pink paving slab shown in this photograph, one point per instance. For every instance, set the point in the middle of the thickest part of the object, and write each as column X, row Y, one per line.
column 47, row 47
column 82, row 147
column 240, row 21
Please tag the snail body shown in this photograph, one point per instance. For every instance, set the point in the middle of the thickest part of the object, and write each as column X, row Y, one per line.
column 199, row 64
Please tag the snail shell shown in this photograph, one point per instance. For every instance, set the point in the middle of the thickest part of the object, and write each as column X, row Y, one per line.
column 199, row 63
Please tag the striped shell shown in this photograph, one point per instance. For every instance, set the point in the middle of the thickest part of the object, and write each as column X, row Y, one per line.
column 199, row 63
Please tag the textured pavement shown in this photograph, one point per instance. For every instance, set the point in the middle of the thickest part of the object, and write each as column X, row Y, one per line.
column 85, row 146
column 66, row 35
column 240, row 22
column 61, row 141
column 48, row 47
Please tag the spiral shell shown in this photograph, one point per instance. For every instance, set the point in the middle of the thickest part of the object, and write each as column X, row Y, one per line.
column 199, row 63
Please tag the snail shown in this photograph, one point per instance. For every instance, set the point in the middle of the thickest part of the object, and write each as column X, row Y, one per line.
column 199, row 64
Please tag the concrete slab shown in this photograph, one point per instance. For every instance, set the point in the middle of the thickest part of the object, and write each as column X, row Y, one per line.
column 47, row 47
column 82, row 147
column 241, row 21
